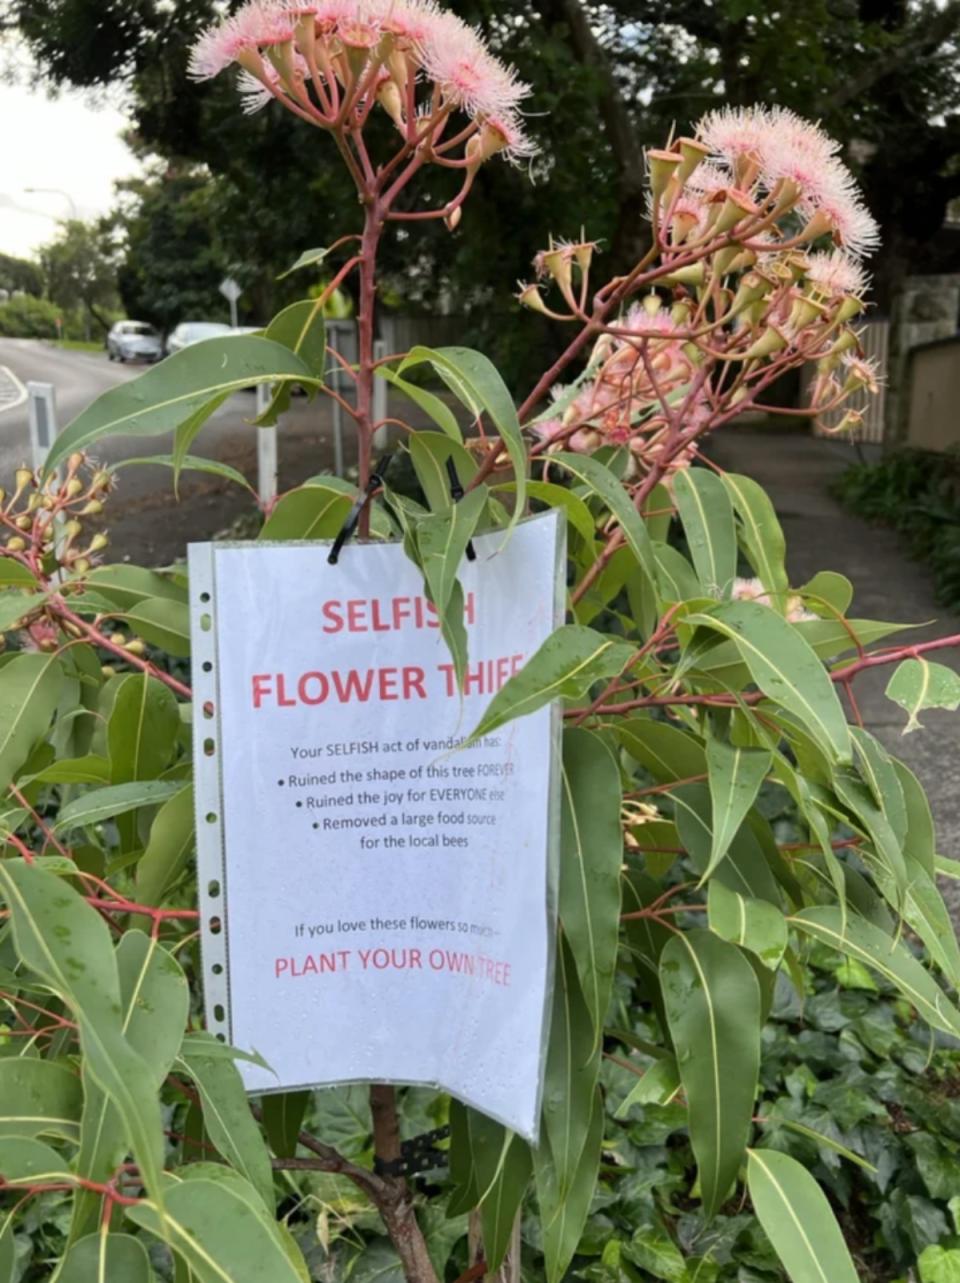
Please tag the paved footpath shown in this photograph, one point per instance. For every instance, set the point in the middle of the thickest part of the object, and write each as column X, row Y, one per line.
column 795, row 470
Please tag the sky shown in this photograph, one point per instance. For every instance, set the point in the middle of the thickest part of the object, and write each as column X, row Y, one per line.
column 64, row 143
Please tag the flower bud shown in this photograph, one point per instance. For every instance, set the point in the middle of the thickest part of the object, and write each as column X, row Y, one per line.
column 692, row 274
column 663, row 165
column 24, row 522
column 736, row 206
column 81, row 565
column 391, row 100
column 74, row 487
column 34, row 502
column 769, row 342
column 847, row 342
column 531, row 297
column 804, row 312
column 98, row 543
column 92, row 509
column 107, row 671
column 852, row 421
column 75, row 461
column 16, row 544
column 72, row 529
column 23, row 478
column 751, row 288
column 119, row 639
column 692, row 152
column 452, row 220
column 135, row 647
column 849, row 308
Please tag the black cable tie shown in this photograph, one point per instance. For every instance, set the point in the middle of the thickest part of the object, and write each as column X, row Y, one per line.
column 352, row 520
column 456, row 494
column 419, row 1154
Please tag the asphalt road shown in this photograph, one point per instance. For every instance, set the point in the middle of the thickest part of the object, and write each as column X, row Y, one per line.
column 79, row 378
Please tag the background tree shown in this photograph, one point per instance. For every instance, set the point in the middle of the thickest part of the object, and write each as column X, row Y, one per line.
column 80, row 270
column 608, row 79
column 20, row 276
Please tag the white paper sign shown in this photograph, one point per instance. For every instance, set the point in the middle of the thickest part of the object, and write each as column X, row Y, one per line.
column 376, row 905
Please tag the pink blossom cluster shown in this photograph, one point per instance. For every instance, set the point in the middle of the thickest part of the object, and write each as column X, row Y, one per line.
column 758, row 232
column 330, row 61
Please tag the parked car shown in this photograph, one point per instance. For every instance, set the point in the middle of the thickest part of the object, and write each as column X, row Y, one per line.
column 134, row 341
column 188, row 332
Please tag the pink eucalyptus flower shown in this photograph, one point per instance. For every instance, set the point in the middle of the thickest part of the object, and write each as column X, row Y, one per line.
column 455, row 57
column 837, row 273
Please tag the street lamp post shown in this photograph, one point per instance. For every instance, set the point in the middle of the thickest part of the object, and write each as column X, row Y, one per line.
column 56, row 191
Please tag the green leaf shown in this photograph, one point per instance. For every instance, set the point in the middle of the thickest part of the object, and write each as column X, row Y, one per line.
column 154, row 1004
column 577, row 513
column 162, row 623
column 477, row 383
column 917, row 685
column 77, row 770
column 15, row 574
column 760, row 535
column 39, row 1098
column 29, row 689
column 14, row 605
column 229, row 1122
column 169, row 847
column 658, row 1086
column 591, row 852
column 869, row 945
column 309, row 258
column 177, row 390
column 666, row 751
column 106, row 1258
column 66, row 942
column 188, row 463
column 735, row 776
column 431, row 404
column 142, row 729
column 566, row 666
column 23, row 1160
column 429, row 452
column 756, row 925
column 828, row 593
column 118, row 799
column 282, row 1119
column 128, row 586
column 503, row 1197
column 654, row 1251
column 311, row 512
column 570, row 1077
column 920, row 839
column 797, row 1219
column 601, row 482
column 785, row 668
column 712, row 1001
column 218, row 1228
column 564, row 1206
column 302, row 328
column 745, row 869
column 442, row 539
column 707, row 514
column 939, row 1264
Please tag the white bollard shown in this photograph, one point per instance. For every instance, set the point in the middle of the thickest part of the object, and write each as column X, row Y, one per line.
column 42, row 405
column 380, row 389
column 266, row 449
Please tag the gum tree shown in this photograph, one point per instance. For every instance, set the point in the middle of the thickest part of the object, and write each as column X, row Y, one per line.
column 689, row 688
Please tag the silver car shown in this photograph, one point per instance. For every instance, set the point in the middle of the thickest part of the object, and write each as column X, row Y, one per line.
column 188, row 332
column 134, row 341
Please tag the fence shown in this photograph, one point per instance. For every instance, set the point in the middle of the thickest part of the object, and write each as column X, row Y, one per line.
column 875, row 338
